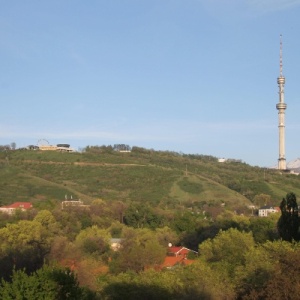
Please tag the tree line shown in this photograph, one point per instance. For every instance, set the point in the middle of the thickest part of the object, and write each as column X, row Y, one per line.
column 66, row 254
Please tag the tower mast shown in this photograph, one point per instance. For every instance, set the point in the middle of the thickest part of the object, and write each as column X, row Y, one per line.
column 281, row 107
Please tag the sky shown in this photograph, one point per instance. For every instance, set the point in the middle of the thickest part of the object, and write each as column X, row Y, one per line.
column 191, row 76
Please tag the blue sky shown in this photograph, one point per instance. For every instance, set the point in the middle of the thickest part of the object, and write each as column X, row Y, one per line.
column 182, row 75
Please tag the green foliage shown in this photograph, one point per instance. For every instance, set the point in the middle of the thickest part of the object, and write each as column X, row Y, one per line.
column 26, row 287
column 264, row 229
column 148, row 199
column 257, row 270
column 265, row 267
column 261, row 200
column 70, row 221
column 184, row 222
column 197, row 281
column 227, row 250
column 93, row 241
column 48, row 221
column 23, row 245
column 131, row 286
column 46, row 283
column 166, row 235
column 139, row 215
column 281, row 286
column 190, row 187
column 67, row 284
column 228, row 219
column 44, row 177
column 230, row 265
column 140, row 249
column 288, row 223
column 249, row 188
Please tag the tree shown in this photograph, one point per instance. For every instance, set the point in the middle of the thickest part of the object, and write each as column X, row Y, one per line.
column 197, row 281
column 93, row 241
column 48, row 221
column 23, row 245
column 257, row 270
column 166, row 235
column 271, row 271
column 288, row 223
column 281, row 285
column 184, row 222
column 264, row 229
column 46, row 283
column 227, row 250
column 139, row 250
column 141, row 216
column 261, row 200
column 69, row 222
column 23, row 286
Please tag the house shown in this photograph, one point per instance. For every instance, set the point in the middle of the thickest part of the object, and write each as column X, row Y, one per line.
column 179, row 251
column 175, row 261
column 10, row 209
column 73, row 203
column 177, row 256
column 264, row 211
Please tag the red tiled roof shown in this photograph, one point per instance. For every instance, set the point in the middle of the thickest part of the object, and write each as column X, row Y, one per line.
column 22, row 205
column 174, row 249
column 171, row 261
column 178, row 250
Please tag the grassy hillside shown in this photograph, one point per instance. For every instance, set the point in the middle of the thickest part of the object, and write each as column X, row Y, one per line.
column 158, row 178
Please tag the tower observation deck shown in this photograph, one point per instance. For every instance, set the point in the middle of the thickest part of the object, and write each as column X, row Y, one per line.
column 281, row 107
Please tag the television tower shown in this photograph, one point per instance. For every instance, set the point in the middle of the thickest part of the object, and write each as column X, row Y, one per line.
column 281, row 107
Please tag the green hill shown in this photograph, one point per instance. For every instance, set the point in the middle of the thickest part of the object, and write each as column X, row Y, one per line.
column 159, row 178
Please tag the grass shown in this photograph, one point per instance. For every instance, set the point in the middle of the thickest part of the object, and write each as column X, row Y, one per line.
column 155, row 177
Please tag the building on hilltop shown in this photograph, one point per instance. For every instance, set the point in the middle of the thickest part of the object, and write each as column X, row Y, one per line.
column 230, row 160
column 58, row 147
column 64, row 148
column 44, row 145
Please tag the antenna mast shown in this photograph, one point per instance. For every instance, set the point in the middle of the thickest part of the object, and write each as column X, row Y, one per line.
column 280, row 61
column 281, row 107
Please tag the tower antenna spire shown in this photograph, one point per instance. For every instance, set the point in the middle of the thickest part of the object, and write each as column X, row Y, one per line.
column 281, row 107
column 280, row 61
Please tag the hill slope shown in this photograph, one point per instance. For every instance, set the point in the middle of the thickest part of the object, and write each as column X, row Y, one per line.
column 158, row 178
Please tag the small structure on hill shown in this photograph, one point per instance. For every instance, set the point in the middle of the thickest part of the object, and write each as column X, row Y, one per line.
column 73, row 203
column 44, row 145
column 229, row 160
column 264, row 211
column 10, row 209
column 64, row 148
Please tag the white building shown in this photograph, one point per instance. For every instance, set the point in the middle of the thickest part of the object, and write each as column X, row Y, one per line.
column 266, row 210
column 10, row 209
